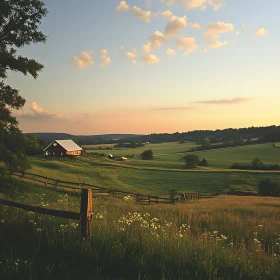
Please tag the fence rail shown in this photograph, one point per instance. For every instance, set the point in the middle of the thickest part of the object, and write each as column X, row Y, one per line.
column 85, row 215
column 101, row 191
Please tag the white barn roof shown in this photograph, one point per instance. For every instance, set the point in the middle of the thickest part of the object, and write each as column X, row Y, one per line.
column 68, row 145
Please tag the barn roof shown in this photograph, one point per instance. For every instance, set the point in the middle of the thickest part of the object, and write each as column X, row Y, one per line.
column 68, row 145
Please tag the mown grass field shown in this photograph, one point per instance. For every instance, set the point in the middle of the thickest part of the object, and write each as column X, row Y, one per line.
column 164, row 172
column 219, row 238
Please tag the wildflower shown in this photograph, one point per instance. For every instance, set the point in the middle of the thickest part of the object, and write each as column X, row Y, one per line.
column 260, row 226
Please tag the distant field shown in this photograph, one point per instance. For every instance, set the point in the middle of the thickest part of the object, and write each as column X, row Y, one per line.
column 158, row 149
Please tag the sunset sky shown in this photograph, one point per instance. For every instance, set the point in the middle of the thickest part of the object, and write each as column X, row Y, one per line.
column 150, row 66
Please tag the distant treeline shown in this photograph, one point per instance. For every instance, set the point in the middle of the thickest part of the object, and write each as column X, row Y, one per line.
column 226, row 137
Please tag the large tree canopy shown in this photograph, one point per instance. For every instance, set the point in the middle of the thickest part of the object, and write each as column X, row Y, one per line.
column 19, row 26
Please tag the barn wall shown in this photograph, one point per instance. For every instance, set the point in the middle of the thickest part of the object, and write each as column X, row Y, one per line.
column 55, row 151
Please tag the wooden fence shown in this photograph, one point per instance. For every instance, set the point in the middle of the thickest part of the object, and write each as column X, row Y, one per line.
column 85, row 215
column 100, row 191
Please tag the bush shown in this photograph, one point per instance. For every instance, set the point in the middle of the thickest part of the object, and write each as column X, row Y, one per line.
column 204, row 162
column 147, row 155
column 192, row 160
column 268, row 187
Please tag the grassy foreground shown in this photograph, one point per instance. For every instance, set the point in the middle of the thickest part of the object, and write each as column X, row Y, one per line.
column 220, row 238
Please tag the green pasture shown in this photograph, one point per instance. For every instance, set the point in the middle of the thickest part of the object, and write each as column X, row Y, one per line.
column 158, row 149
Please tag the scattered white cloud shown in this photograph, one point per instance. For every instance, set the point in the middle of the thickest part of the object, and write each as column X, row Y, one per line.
column 164, row 14
column 147, row 48
column 261, row 32
column 213, row 32
column 216, row 4
column 38, row 113
column 187, row 43
column 157, row 39
column 145, row 16
column 195, row 25
column 134, row 61
column 134, row 50
column 170, row 52
column 105, row 58
column 175, row 25
column 237, row 33
column 242, row 27
column 83, row 60
column 151, row 59
column 232, row 101
column 130, row 55
column 122, row 6
column 195, row 4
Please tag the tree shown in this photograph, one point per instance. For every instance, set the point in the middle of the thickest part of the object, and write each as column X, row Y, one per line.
column 267, row 187
column 206, row 144
column 192, row 160
column 256, row 163
column 204, row 162
column 147, row 155
column 19, row 24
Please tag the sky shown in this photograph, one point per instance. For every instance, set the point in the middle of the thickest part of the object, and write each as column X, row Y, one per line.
column 153, row 66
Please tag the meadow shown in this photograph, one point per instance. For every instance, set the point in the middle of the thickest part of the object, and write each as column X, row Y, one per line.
column 219, row 238
column 226, row 237
column 165, row 172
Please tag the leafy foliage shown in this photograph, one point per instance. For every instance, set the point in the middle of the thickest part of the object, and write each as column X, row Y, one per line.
column 147, row 155
column 204, row 162
column 192, row 160
column 268, row 187
column 19, row 23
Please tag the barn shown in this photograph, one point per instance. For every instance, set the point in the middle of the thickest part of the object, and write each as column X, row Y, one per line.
column 62, row 148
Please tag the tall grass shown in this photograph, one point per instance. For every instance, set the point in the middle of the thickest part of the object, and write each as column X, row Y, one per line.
column 221, row 238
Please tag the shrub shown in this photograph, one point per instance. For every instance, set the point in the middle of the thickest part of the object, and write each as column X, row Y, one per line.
column 147, row 155
column 204, row 162
column 268, row 187
column 192, row 160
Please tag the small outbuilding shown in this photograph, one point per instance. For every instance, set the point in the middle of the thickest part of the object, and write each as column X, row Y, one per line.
column 62, row 148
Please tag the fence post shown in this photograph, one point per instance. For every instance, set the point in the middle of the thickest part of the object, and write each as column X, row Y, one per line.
column 137, row 197
column 197, row 195
column 86, row 213
column 46, row 181
column 149, row 198
column 56, row 183
column 156, row 200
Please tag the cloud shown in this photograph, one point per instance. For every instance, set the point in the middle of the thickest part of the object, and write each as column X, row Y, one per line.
column 170, row 52
column 164, row 14
column 242, row 27
column 261, row 32
column 130, row 55
column 38, row 113
column 233, row 101
column 147, row 48
column 195, row 25
column 195, row 4
column 237, row 33
column 157, row 39
column 187, row 43
column 175, row 25
column 213, row 32
column 83, row 60
column 122, row 6
column 145, row 16
column 151, row 59
column 105, row 58
column 134, row 50
column 134, row 61
column 172, row 109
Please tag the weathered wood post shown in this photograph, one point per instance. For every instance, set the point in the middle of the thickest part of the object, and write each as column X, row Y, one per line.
column 156, row 200
column 197, row 195
column 46, row 181
column 86, row 213
column 149, row 199
column 56, row 183
column 137, row 197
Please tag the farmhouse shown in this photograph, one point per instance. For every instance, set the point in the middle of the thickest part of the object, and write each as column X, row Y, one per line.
column 61, row 148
